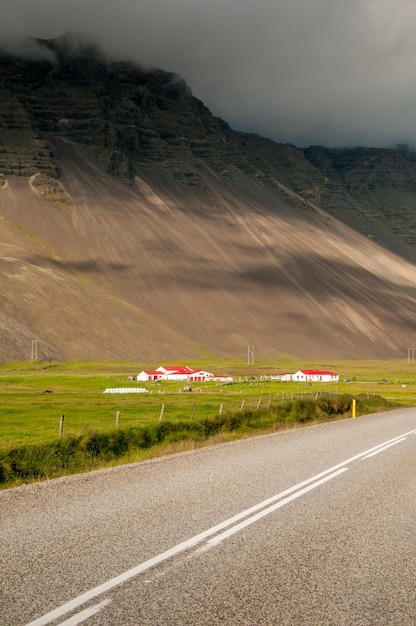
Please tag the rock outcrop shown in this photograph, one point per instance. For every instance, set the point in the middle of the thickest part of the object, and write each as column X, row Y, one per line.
column 136, row 225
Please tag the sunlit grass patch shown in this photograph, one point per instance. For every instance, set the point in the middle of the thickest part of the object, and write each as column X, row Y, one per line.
column 34, row 397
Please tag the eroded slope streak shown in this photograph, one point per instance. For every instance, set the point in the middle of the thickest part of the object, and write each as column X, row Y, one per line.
column 154, row 270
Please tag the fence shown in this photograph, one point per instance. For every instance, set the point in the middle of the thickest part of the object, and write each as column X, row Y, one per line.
column 173, row 411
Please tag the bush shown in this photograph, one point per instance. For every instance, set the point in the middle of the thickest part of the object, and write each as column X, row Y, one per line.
column 73, row 453
column 335, row 405
column 97, row 444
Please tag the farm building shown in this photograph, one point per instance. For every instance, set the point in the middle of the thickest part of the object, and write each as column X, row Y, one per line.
column 316, row 376
column 171, row 372
column 150, row 375
column 180, row 373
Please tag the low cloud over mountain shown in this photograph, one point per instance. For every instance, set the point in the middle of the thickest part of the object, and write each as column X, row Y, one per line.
column 326, row 72
column 136, row 225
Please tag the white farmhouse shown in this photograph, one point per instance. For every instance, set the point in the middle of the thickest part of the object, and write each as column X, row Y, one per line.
column 180, row 373
column 150, row 375
column 315, row 376
column 175, row 372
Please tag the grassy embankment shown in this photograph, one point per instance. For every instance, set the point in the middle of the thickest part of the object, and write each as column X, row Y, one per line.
column 34, row 396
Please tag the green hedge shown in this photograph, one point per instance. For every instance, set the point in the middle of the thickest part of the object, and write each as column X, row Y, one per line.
column 74, row 454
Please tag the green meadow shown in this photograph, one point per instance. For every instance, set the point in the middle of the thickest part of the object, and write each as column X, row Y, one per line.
column 35, row 395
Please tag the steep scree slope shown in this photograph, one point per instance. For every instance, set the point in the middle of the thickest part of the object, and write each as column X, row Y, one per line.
column 135, row 225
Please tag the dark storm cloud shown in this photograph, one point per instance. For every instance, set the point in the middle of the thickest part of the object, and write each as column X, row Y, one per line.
column 302, row 71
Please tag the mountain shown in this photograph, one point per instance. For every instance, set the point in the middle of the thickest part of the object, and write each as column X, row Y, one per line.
column 136, row 225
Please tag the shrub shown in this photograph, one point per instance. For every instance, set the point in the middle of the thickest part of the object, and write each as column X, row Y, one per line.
column 72, row 453
column 97, row 444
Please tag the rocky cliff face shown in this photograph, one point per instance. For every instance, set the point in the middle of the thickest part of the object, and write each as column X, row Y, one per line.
column 126, row 114
column 372, row 189
column 131, row 116
column 137, row 225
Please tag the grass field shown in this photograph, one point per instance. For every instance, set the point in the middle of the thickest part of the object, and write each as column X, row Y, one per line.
column 35, row 395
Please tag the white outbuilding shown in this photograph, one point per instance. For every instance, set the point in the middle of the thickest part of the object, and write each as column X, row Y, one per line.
column 315, row 376
column 180, row 373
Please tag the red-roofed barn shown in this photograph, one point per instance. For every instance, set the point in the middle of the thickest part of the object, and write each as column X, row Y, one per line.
column 316, row 376
column 178, row 373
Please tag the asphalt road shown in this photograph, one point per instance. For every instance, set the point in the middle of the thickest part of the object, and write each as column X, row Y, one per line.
column 312, row 526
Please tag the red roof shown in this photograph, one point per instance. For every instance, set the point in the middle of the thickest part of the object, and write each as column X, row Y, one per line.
column 318, row 373
column 178, row 369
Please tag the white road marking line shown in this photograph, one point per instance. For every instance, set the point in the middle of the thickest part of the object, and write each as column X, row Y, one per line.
column 81, row 617
column 393, row 443
column 251, row 520
column 197, row 539
column 370, row 450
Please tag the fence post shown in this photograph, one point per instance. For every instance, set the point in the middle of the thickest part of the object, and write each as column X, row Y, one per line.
column 161, row 412
column 270, row 401
column 259, row 403
column 193, row 411
column 242, row 405
column 220, row 411
column 61, row 425
column 117, row 419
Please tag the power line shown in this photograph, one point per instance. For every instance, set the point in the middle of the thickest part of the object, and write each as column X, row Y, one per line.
column 250, row 355
column 34, row 353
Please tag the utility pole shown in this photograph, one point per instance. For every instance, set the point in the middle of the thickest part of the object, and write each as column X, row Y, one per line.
column 250, row 355
column 34, row 353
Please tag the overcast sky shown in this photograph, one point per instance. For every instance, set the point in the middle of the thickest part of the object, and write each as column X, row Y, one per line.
column 332, row 72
